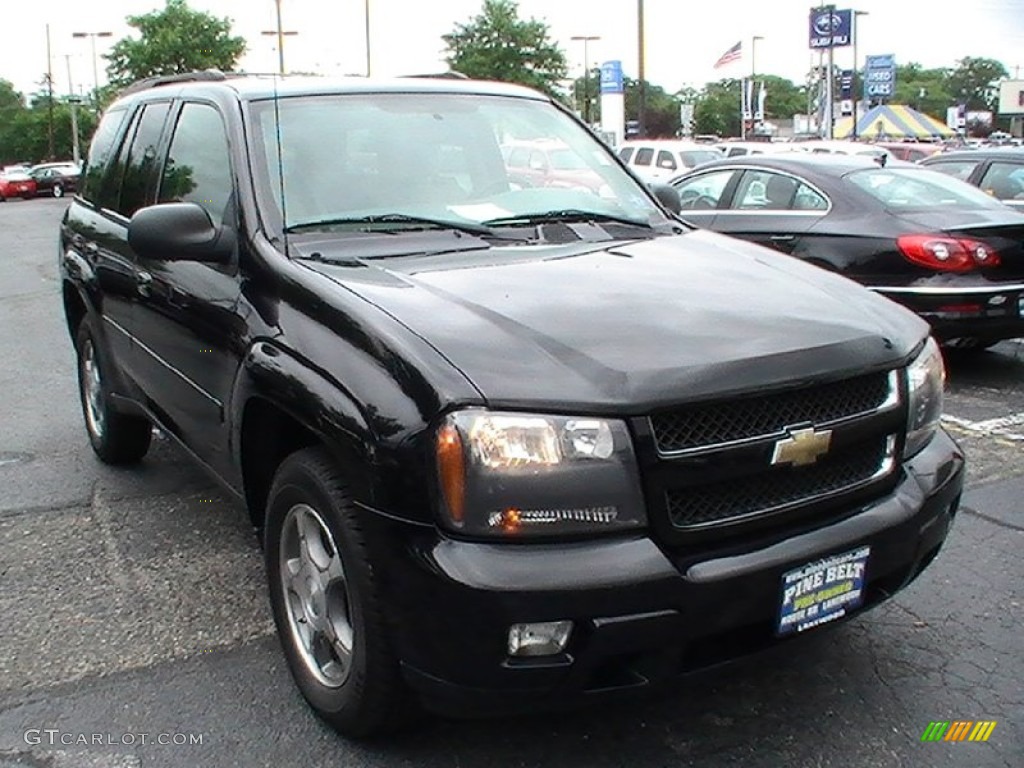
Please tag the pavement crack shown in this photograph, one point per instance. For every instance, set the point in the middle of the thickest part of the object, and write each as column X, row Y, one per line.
column 993, row 520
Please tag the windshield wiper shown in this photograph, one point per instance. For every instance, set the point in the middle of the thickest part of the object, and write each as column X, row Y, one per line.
column 419, row 222
column 565, row 215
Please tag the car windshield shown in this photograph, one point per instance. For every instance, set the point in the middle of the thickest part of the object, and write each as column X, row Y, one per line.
column 909, row 188
column 434, row 156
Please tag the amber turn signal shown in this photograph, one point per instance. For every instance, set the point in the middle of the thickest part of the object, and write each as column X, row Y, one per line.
column 451, row 466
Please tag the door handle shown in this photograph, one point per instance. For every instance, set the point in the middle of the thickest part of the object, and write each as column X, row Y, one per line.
column 782, row 238
column 144, row 283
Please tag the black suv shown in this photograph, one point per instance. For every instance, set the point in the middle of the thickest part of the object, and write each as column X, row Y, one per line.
column 506, row 445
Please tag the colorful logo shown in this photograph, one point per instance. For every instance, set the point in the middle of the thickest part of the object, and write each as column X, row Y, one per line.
column 958, row 730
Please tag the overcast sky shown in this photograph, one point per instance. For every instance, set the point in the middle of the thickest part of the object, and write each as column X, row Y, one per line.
column 684, row 37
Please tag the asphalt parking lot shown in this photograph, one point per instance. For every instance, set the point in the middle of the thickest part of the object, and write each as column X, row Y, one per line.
column 133, row 605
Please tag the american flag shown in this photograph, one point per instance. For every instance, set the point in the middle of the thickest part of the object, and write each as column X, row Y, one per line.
column 733, row 54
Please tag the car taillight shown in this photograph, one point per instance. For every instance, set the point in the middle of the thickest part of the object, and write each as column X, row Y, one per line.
column 947, row 254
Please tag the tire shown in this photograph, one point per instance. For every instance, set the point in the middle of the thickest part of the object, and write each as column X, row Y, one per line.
column 58, row 190
column 326, row 604
column 116, row 438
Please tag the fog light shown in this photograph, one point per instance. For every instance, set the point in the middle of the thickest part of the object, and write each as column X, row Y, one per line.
column 544, row 638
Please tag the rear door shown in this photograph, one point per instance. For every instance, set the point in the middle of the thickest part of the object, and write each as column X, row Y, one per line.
column 772, row 209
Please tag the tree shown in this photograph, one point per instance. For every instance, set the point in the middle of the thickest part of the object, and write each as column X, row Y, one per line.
column 926, row 90
column 661, row 109
column 974, row 82
column 718, row 110
column 174, row 39
column 498, row 45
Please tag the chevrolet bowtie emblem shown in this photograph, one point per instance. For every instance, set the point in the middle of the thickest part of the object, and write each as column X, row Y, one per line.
column 802, row 447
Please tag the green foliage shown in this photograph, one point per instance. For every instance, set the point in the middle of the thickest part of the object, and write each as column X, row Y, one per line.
column 498, row 45
column 926, row 90
column 174, row 39
column 661, row 109
column 24, row 131
column 975, row 82
column 718, row 109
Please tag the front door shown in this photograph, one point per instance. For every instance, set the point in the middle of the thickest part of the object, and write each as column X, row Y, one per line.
column 188, row 334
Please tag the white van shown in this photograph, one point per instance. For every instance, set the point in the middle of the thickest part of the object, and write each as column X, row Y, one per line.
column 663, row 159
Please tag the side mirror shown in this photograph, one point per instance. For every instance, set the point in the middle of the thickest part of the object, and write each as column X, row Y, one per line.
column 668, row 196
column 179, row 232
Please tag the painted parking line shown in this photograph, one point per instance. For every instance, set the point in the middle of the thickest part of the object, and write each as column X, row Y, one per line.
column 1010, row 427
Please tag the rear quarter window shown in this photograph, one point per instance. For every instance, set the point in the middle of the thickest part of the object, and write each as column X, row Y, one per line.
column 103, row 142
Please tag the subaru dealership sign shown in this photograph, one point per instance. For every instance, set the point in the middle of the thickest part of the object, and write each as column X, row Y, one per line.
column 830, row 28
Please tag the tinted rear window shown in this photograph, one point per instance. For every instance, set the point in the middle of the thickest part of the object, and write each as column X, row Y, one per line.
column 99, row 151
column 906, row 189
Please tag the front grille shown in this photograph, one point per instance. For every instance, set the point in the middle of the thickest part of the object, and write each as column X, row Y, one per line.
column 778, row 488
column 705, row 425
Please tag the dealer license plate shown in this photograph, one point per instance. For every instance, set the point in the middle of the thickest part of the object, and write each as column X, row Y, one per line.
column 1020, row 306
column 822, row 591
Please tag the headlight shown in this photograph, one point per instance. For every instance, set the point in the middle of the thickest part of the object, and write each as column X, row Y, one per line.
column 926, row 377
column 518, row 474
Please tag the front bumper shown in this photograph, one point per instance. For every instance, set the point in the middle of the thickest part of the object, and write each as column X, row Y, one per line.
column 642, row 615
column 989, row 313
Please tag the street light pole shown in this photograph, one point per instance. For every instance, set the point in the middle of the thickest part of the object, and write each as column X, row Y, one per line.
column 73, row 103
column 366, row 19
column 95, row 71
column 642, row 116
column 586, row 73
column 856, row 65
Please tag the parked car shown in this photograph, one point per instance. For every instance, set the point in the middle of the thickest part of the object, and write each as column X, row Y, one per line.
column 16, row 184
column 663, row 159
column 547, row 163
column 999, row 172
column 877, row 152
column 507, row 447
column 932, row 243
column 55, row 180
column 909, row 151
column 743, row 148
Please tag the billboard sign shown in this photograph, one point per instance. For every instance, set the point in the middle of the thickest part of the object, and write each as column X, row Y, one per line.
column 829, row 28
column 611, row 77
column 880, row 77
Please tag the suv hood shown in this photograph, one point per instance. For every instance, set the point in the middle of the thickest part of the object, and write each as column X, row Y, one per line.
column 630, row 326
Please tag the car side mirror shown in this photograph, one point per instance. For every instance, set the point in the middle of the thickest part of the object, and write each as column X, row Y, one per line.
column 668, row 196
column 180, row 232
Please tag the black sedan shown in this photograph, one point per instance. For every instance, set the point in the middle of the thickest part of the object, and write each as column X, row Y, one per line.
column 998, row 171
column 940, row 247
column 55, row 180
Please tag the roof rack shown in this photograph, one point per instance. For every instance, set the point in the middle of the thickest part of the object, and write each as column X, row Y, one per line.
column 181, row 77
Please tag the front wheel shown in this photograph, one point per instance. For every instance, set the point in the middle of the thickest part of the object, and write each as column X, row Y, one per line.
column 327, row 607
column 116, row 438
column 58, row 190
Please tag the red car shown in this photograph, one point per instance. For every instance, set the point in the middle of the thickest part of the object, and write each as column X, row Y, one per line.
column 16, row 184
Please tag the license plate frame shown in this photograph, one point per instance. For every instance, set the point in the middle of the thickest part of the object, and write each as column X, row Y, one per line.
column 822, row 591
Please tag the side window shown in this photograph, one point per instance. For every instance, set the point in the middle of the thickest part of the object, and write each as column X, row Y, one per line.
column 644, row 155
column 99, row 152
column 736, row 152
column 537, row 161
column 665, row 160
column 765, row 191
column 625, row 153
column 705, row 191
column 808, row 199
column 519, row 158
column 138, row 182
column 198, row 168
column 1004, row 181
column 958, row 169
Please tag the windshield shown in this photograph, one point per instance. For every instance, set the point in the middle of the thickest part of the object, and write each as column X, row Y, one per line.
column 907, row 188
column 442, row 157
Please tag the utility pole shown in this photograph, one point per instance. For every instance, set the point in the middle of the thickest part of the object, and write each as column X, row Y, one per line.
column 49, row 96
column 366, row 19
column 642, row 116
column 280, row 34
column 73, row 103
column 585, row 112
column 856, row 65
